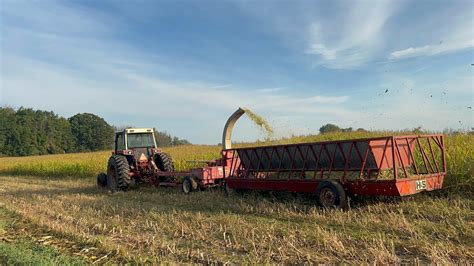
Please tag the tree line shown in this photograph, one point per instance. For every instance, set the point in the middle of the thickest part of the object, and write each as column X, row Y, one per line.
column 26, row 132
column 328, row 128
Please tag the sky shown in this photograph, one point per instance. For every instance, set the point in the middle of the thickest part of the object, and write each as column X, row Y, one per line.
column 185, row 66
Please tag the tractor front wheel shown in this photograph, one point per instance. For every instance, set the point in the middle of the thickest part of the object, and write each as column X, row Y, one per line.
column 102, row 180
column 164, row 162
column 118, row 173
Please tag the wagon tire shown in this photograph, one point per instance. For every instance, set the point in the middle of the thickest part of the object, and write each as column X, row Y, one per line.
column 331, row 194
column 189, row 185
column 118, row 173
column 102, row 180
column 164, row 162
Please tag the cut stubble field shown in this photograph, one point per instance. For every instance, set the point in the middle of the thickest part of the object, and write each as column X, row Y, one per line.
column 165, row 225
column 51, row 211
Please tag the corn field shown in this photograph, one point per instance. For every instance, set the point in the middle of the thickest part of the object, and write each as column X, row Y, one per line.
column 459, row 157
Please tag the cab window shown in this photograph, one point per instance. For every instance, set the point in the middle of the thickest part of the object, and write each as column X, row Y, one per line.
column 120, row 142
column 140, row 140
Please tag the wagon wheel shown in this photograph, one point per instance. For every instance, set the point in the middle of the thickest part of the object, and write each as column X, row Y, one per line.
column 189, row 185
column 331, row 194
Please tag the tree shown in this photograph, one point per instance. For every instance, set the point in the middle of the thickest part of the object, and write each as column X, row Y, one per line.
column 177, row 141
column 329, row 128
column 65, row 141
column 91, row 132
column 33, row 132
column 7, row 120
column 26, row 132
column 53, row 133
column 165, row 139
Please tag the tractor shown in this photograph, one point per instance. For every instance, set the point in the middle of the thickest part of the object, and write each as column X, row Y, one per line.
column 136, row 159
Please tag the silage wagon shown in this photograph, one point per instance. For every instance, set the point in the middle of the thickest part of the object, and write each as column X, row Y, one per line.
column 334, row 170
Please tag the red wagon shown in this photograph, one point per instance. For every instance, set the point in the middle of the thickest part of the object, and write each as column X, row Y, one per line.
column 382, row 166
column 389, row 166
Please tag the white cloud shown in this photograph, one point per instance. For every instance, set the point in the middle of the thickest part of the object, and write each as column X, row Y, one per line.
column 350, row 35
column 329, row 100
column 201, row 94
column 457, row 34
column 221, row 86
column 271, row 89
column 410, row 52
column 353, row 41
column 433, row 49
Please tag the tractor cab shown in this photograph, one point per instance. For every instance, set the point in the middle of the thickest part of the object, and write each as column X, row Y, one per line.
column 138, row 142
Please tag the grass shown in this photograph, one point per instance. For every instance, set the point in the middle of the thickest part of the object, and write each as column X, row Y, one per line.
column 27, row 252
column 19, row 247
column 163, row 225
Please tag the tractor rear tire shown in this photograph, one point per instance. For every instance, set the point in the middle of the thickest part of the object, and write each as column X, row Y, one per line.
column 164, row 162
column 331, row 194
column 102, row 180
column 189, row 185
column 118, row 173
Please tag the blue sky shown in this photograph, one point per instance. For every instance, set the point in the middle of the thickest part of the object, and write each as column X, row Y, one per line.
column 185, row 66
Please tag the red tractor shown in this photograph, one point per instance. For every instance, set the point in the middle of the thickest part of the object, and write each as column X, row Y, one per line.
column 136, row 159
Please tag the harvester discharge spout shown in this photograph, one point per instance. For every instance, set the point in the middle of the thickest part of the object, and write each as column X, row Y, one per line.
column 229, row 125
